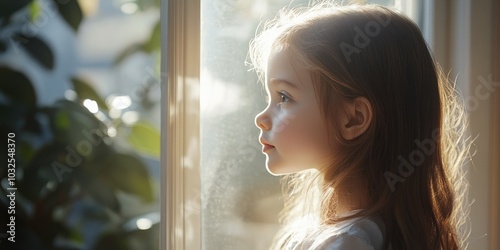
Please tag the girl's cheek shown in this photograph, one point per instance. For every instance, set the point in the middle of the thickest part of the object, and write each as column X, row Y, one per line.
column 282, row 121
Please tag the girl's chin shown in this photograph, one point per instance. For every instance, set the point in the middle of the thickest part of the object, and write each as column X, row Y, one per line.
column 275, row 170
column 274, row 173
column 281, row 170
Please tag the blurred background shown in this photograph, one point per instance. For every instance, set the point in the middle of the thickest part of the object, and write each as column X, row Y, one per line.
column 79, row 88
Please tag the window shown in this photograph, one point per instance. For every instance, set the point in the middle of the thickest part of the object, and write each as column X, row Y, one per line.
column 218, row 192
column 219, row 204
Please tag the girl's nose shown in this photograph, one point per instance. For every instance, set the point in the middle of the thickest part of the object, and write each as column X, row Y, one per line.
column 262, row 121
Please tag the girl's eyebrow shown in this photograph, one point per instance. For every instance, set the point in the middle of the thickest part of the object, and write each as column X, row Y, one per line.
column 277, row 81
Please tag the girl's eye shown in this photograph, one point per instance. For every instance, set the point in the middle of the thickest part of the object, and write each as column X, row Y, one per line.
column 284, row 97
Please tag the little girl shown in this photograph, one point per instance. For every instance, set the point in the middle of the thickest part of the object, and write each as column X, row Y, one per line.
column 365, row 129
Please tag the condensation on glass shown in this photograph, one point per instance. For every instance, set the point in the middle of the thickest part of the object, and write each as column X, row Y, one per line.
column 240, row 199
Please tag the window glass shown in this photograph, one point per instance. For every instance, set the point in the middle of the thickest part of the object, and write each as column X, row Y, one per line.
column 240, row 199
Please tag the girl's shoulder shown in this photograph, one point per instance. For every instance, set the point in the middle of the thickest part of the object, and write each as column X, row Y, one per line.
column 355, row 234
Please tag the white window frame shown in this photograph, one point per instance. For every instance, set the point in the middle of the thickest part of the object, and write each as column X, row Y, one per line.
column 180, row 177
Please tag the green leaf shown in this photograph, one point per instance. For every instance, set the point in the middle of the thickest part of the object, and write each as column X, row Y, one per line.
column 61, row 121
column 154, row 42
column 127, row 173
column 37, row 49
column 9, row 7
column 85, row 91
column 43, row 168
column 101, row 192
column 12, row 118
column 71, row 12
column 35, row 10
column 113, row 240
column 73, row 124
column 74, row 234
column 145, row 138
column 128, row 51
column 25, row 152
column 3, row 47
column 31, row 123
column 17, row 87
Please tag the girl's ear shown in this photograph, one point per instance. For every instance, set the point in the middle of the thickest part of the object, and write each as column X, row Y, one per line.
column 357, row 118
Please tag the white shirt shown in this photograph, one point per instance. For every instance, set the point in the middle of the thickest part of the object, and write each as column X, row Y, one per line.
column 355, row 234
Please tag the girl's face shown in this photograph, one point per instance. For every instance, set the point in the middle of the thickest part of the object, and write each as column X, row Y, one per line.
column 293, row 131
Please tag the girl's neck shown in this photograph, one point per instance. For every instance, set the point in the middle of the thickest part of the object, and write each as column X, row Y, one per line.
column 352, row 195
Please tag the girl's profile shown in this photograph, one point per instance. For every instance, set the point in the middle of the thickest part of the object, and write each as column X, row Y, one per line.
column 365, row 129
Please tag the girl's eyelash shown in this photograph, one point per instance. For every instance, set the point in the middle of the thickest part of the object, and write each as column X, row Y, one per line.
column 284, row 97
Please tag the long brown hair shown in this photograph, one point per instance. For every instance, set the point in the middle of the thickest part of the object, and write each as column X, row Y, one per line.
column 409, row 161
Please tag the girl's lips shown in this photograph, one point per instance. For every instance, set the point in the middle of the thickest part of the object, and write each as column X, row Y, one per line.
column 267, row 147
